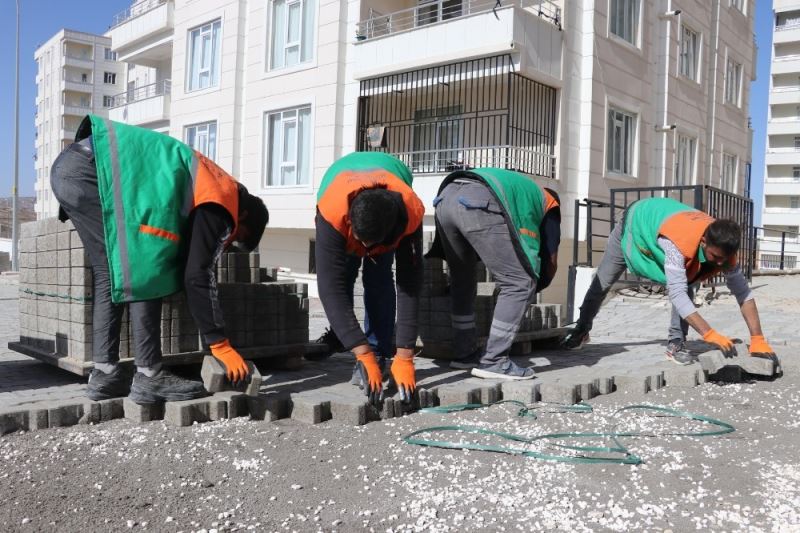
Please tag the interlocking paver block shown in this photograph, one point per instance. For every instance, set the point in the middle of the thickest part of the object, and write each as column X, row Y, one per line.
column 352, row 411
column 214, row 380
column 142, row 413
column 681, row 377
column 526, row 391
column 458, row 394
column 491, row 394
column 65, row 415
column 605, row 385
column 713, row 361
column 637, row 383
column 310, row 408
column 187, row 412
column 236, row 403
column 589, row 389
column 559, row 392
column 14, row 421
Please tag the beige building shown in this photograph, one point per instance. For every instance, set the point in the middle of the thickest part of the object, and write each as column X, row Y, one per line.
column 581, row 96
column 781, row 206
column 77, row 74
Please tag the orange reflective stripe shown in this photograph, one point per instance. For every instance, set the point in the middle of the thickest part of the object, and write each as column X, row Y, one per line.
column 158, row 232
column 526, row 231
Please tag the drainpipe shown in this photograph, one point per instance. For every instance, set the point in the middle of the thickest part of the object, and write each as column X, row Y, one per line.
column 711, row 105
column 663, row 128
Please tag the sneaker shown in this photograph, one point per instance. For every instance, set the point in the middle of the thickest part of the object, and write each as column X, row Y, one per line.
column 332, row 341
column 355, row 379
column 678, row 354
column 575, row 339
column 468, row 362
column 164, row 386
column 104, row 386
column 507, row 369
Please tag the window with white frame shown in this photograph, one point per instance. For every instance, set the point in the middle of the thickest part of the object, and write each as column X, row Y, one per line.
column 203, row 138
column 437, row 139
column 623, row 19
column 728, row 179
column 109, row 55
column 109, row 78
column 773, row 261
column 108, row 101
column 684, row 160
column 287, row 145
column 738, row 4
column 293, row 26
column 690, row 48
column 794, row 202
column 796, row 173
column 204, row 57
column 733, row 81
column 621, row 142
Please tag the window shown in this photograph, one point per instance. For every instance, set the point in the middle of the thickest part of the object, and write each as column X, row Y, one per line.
column 109, row 78
column 621, row 141
column 773, row 261
column 797, row 143
column 429, row 12
column 794, row 202
column 733, row 79
column 293, row 28
column 108, row 101
column 690, row 42
column 738, row 4
column 204, row 56
column 288, row 147
column 796, row 173
column 623, row 19
column 437, row 138
column 109, row 55
column 203, row 138
column 728, row 179
column 684, row 160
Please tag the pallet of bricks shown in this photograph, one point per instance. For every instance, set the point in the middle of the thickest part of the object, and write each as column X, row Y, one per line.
column 541, row 321
column 265, row 319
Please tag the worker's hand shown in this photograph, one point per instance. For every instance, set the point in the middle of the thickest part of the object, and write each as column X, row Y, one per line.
column 760, row 348
column 721, row 341
column 404, row 376
column 235, row 367
column 371, row 378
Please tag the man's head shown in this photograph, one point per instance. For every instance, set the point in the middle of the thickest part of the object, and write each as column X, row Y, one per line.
column 253, row 218
column 373, row 215
column 721, row 240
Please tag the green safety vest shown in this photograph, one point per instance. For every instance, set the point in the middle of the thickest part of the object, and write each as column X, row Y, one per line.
column 364, row 161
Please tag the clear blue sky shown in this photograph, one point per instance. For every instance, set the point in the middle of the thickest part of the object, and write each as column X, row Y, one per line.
column 759, row 98
column 42, row 18
column 39, row 20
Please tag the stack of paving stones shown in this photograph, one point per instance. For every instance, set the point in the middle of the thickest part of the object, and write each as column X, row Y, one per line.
column 56, row 305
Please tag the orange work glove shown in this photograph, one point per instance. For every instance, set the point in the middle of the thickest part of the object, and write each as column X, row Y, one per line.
column 760, row 348
column 371, row 379
column 235, row 367
column 721, row 341
column 404, row 377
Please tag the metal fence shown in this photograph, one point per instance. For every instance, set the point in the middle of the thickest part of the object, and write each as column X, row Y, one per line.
column 776, row 249
column 461, row 115
column 134, row 10
column 144, row 92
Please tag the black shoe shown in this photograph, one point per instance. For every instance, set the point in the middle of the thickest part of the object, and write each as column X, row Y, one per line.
column 575, row 338
column 104, row 386
column 164, row 386
column 678, row 354
column 330, row 339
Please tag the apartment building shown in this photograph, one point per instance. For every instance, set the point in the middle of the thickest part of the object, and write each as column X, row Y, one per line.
column 77, row 74
column 581, row 96
column 781, row 205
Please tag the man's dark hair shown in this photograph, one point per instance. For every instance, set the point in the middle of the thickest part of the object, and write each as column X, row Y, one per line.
column 725, row 234
column 256, row 217
column 373, row 214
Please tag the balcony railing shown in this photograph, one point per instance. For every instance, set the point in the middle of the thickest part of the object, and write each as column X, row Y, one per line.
column 786, row 27
column 378, row 24
column 783, row 150
column 783, row 180
column 144, row 92
column 786, row 89
column 782, row 210
column 788, row 57
column 134, row 10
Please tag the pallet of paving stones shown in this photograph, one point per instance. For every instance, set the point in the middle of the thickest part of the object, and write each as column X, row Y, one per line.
column 264, row 318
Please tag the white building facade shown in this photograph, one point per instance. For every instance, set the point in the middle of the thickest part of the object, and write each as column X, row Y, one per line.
column 582, row 96
column 780, row 217
column 77, row 74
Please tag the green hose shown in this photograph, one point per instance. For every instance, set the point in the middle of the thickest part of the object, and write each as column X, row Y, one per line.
column 526, row 411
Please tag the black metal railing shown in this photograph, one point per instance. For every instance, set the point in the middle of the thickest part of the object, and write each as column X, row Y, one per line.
column 776, row 249
column 461, row 115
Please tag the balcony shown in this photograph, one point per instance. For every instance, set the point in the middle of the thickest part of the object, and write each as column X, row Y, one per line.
column 783, row 156
column 83, row 87
column 786, row 33
column 434, row 33
column 784, row 95
column 142, row 34
column 83, row 61
column 77, row 110
column 782, row 186
column 144, row 105
column 788, row 64
column 784, row 126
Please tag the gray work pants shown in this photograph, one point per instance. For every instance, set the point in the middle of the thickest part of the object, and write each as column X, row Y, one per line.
column 73, row 178
column 678, row 327
column 470, row 221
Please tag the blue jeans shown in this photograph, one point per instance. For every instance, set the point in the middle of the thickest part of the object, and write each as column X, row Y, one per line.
column 380, row 299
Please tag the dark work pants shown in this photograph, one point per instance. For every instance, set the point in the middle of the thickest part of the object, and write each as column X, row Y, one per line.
column 380, row 299
column 73, row 178
column 469, row 220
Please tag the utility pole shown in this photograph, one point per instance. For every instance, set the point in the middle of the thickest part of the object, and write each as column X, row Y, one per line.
column 15, row 193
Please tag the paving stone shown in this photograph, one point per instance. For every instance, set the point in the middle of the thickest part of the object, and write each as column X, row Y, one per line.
column 38, row 418
column 142, row 413
column 311, row 408
column 656, row 381
column 588, row 390
column 712, row 361
column 526, row 391
column 235, row 403
column 637, row 383
column 65, row 415
column 386, row 410
column 559, row 392
column 351, row 411
column 682, row 376
column 605, row 385
column 491, row 394
column 14, row 421
column 214, row 379
column 187, row 412
column 458, row 394
column 92, row 413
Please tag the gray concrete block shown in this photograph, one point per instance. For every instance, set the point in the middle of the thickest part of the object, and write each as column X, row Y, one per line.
column 351, row 411
column 217, row 408
column 236, row 403
column 491, row 394
column 309, row 407
column 91, row 413
column 605, row 385
column 681, row 377
column 559, row 392
column 187, row 412
column 38, row 418
column 712, row 361
column 14, row 421
column 458, row 394
column 588, row 389
column 214, row 379
column 656, row 381
column 65, row 415
column 387, row 409
column 526, row 391
column 142, row 413
column 637, row 383
column 111, row 409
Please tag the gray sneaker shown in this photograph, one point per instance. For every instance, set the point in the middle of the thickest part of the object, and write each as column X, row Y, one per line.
column 104, row 386
column 507, row 369
column 468, row 362
column 164, row 386
column 678, row 354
